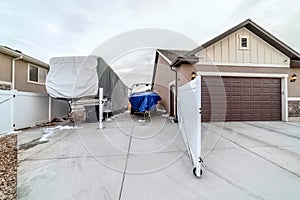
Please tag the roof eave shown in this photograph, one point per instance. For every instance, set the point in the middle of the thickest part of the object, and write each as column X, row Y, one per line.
column 295, row 63
column 256, row 29
column 25, row 57
column 184, row 60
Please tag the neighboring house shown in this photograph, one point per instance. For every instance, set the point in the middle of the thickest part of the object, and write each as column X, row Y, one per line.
column 21, row 72
column 246, row 76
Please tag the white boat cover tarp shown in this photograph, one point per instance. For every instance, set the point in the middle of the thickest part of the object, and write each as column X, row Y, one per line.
column 189, row 119
column 72, row 77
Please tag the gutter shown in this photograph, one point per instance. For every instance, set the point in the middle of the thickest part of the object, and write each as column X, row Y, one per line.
column 154, row 70
column 176, row 93
column 29, row 59
column 13, row 71
column 178, row 62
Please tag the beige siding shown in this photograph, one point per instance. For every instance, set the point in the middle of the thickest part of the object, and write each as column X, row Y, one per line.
column 232, row 50
column 202, row 55
column 225, row 50
column 210, row 54
column 5, row 68
column 253, row 52
column 22, row 83
column 293, row 87
column 228, row 51
column 246, row 53
column 163, row 77
column 21, row 75
column 239, row 53
column 218, row 52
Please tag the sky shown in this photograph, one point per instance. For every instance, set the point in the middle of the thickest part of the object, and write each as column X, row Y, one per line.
column 45, row 29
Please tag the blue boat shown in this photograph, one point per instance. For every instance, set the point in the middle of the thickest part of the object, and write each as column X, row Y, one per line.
column 143, row 101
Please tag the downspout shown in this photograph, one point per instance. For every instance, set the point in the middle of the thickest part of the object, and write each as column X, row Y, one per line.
column 13, row 71
column 176, row 93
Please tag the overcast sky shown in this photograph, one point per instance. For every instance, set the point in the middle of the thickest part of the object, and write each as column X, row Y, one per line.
column 45, row 29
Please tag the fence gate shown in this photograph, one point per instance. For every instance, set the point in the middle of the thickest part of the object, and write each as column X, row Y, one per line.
column 189, row 118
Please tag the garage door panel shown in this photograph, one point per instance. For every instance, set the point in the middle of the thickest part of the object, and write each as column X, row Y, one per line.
column 276, row 90
column 256, row 98
column 256, row 105
column 246, row 117
column 266, row 98
column 245, row 98
column 267, row 81
column 257, row 90
column 246, row 105
column 266, row 106
column 267, row 89
column 236, row 117
column 256, row 81
column 276, row 81
column 275, row 105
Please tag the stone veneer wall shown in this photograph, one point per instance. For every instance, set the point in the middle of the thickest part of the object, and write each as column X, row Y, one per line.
column 294, row 108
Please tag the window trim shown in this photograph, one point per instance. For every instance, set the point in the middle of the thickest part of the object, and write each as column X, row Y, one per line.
column 28, row 74
column 240, row 42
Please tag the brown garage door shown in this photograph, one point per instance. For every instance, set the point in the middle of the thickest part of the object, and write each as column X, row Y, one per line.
column 241, row 99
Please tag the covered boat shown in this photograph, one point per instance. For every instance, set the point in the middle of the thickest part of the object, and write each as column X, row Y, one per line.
column 143, row 101
column 79, row 78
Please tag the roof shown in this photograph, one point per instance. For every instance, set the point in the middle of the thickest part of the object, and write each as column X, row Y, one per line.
column 259, row 31
column 178, row 57
column 16, row 53
column 171, row 54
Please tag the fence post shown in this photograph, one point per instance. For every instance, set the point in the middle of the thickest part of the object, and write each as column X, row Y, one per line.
column 14, row 94
column 100, row 108
column 50, row 109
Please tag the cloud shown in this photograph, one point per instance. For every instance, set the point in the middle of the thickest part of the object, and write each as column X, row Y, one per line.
column 45, row 29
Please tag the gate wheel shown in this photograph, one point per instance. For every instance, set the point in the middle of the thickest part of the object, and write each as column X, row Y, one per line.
column 194, row 172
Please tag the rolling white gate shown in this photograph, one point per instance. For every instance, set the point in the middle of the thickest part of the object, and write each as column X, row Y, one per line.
column 189, row 119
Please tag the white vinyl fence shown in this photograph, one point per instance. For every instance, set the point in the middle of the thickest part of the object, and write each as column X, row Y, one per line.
column 189, row 118
column 25, row 109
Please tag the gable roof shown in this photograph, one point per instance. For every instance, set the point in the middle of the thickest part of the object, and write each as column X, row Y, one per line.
column 171, row 54
column 259, row 31
column 177, row 57
column 16, row 53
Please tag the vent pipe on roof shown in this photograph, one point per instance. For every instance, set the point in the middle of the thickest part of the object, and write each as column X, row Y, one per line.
column 13, row 71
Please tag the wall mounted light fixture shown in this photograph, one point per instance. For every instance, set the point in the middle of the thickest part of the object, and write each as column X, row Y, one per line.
column 293, row 78
column 193, row 76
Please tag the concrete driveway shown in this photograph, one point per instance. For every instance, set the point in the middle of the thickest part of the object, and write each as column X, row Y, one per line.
column 130, row 159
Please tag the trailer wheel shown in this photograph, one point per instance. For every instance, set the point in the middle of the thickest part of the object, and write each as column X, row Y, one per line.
column 194, row 172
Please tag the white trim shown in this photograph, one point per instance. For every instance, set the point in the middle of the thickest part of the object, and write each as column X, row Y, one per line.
column 284, row 85
column 5, row 83
column 240, row 74
column 37, row 83
column 284, row 99
column 240, row 42
column 293, row 98
column 26, row 58
column 233, row 64
column 170, row 85
column 164, row 57
column 28, row 74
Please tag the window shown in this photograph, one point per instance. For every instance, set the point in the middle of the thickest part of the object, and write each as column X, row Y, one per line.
column 244, row 42
column 36, row 74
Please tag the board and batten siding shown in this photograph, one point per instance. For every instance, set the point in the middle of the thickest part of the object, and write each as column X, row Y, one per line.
column 228, row 51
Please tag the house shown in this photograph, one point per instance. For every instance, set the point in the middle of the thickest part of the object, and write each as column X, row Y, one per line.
column 247, row 74
column 21, row 72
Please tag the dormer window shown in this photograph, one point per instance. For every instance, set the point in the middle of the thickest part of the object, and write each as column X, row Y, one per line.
column 244, row 42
